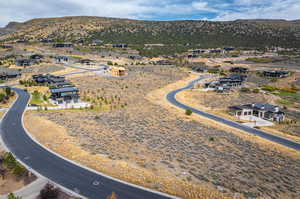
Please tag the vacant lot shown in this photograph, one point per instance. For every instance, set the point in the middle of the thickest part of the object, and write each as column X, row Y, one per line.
column 144, row 143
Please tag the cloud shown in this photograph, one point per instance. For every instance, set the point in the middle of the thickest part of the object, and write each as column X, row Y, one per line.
column 263, row 9
column 22, row 10
column 203, row 6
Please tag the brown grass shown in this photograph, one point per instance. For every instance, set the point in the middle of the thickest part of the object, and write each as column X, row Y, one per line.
column 57, row 139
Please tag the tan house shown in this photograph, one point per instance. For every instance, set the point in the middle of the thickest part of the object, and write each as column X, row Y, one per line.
column 117, row 71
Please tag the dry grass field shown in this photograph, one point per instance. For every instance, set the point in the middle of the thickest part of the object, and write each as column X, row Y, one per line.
column 158, row 146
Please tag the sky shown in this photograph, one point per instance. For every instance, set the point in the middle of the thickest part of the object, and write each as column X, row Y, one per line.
column 219, row 10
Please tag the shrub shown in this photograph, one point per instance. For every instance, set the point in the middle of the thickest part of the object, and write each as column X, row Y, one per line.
column 9, row 160
column 45, row 98
column 49, row 192
column 213, row 70
column 2, row 97
column 245, row 90
column 256, row 90
column 12, row 196
column 269, row 88
column 19, row 170
column 274, row 79
column 188, row 112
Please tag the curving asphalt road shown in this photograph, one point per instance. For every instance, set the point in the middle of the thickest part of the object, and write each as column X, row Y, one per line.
column 65, row 173
column 171, row 97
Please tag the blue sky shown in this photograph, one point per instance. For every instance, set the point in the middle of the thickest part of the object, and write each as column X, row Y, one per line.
column 221, row 10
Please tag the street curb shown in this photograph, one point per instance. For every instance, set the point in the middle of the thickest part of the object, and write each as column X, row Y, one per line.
column 79, row 165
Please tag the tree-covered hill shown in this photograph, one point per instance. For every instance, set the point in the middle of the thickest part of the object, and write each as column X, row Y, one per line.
column 239, row 33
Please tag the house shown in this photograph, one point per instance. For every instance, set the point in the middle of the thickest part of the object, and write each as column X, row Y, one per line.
column 65, row 95
column 163, row 62
column 226, row 83
column 48, row 79
column 197, row 51
column 135, row 57
column 63, row 84
column 61, row 59
column 63, row 45
column 229, row 49
column 191, row 56
column 233, row 80
column 46, row 41
column 239, row 70
column 216, row 51
column 264, row 111
column 276, row 73
column 36, row 57
column 25, row 62
column 117, row 71
column 87, row 62
column 120, row 45
column 97, row 43
column 9, row 75
column 6, row 47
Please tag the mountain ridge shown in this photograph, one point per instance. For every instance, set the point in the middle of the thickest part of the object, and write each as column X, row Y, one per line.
column 238, row 33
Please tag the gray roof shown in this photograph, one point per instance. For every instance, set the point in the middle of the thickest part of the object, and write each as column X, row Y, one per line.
column 62, row 90
column 261, row 107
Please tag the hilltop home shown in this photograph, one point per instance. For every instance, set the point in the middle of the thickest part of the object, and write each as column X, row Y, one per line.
column 197, row 51
column 118, row 71
column 120, row 45
column 6, row 47
column 163, row 62
column 25, row 62
column 65, row 95
column 97, row 43
column 46, row 41
column 63, row 45
column 229, row 49
column 61, row 59
column 264, row 111
column 276, row 73
column 48, row 79
column 226, row 83
column 63, row 84
column 135, row 57
column 239, row 70
column 216, row 51
column 191, row 56
column 9, row 75
column 36, row 57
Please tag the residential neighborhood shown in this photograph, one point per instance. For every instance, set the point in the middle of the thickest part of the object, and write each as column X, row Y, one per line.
column 118, row 108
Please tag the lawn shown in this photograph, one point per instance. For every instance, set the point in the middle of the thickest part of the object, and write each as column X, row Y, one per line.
column 259, row 60
column 36, row 98
column 289, row 94
column 285, row 102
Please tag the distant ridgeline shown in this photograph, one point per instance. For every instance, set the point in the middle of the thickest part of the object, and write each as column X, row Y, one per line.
column 182, row 34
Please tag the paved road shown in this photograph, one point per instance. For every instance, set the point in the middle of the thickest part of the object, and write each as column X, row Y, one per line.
column 58, row 170
column 171, row 97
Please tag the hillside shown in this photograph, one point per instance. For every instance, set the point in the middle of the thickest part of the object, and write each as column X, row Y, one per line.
column 239, row 33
